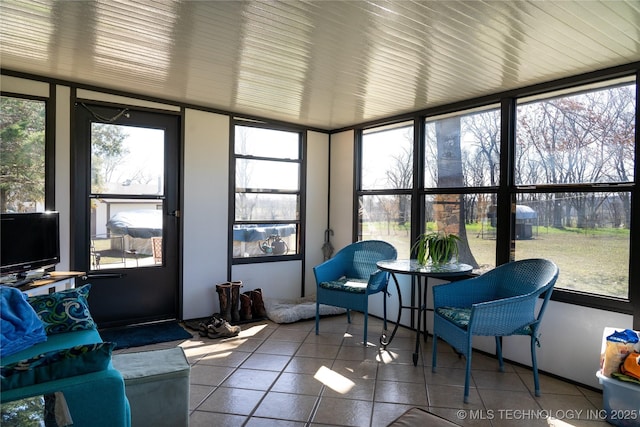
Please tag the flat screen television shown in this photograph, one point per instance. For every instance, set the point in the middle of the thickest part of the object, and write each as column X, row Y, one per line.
column 29, row 241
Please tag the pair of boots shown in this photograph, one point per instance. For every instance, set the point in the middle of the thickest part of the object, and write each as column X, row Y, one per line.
column 252, row 305
column 251, row 302
column 217, row 327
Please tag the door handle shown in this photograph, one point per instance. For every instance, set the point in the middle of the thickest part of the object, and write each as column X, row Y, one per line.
column 175, row 213
column 103, row 276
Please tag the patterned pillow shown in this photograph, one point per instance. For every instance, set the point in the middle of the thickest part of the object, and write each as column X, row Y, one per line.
column 57, row 364
column 64, row 311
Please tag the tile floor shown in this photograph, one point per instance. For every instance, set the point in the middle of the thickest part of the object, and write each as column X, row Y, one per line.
column 285, row 375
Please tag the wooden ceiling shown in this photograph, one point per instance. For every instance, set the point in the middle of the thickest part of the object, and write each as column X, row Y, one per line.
column 323, row 64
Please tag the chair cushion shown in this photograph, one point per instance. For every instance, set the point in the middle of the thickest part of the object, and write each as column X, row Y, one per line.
column 460, row 317
column 356, row 286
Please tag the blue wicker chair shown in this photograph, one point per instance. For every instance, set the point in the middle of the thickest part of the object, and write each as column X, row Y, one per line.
column 498, row 303
column 347, row 279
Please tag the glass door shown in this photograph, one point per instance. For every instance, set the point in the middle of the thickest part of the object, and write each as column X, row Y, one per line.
column 127, row 204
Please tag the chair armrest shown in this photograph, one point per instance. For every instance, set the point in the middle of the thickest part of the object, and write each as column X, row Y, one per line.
column 377, row 281
column 503, row 316
column 463, row 293
column 329, row 270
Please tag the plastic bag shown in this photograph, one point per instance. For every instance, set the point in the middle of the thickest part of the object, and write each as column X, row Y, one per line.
column 619, row 345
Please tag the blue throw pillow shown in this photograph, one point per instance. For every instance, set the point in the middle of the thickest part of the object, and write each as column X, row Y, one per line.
column 64, row 311
column 53, row 365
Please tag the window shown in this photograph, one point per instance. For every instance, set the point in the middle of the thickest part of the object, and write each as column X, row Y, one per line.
column 461, row 175
column 583, row 138
column 386, row 180
column 23, row 155
column 461, row 153
column 463, row 150
column 127, row 194
column 268, row 192
column 470, row 216
column 551, row 174
column 583, row 233
column 577, row 151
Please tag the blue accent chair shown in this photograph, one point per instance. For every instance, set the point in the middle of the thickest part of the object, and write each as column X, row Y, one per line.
column 498, row 303
column 347, row 279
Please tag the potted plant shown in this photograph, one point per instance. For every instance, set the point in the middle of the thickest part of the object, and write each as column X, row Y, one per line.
column 439, row 247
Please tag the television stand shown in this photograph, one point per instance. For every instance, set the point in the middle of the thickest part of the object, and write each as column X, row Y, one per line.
column 18, row 283
column 48, row 284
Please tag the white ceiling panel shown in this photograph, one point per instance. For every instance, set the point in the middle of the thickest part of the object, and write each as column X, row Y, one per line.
column 324, row 64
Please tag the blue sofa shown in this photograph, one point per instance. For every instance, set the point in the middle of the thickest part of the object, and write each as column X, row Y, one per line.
column 94, row 392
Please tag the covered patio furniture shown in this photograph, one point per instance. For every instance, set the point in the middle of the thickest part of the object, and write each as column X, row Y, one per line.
column 141, row 223
column 347, row 279
column 499, row 303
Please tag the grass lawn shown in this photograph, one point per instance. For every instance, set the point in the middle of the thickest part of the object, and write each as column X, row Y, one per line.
column 595, row 261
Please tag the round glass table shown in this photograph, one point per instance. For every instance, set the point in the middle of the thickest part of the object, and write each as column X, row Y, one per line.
column 418, row 274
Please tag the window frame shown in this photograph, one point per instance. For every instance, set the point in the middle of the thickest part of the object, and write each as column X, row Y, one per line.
column 301, row 192
column 359, row 192
column 49, row 143
column 507, row 190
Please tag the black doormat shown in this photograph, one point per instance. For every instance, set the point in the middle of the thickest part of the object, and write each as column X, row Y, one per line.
column 136, row 336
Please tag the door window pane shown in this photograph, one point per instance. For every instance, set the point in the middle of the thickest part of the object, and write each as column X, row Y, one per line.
column 463, row 150
column 22, row 158
column 126, row 160
column 582, row 138
column 125, row 233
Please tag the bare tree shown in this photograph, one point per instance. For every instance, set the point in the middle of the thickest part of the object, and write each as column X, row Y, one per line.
column 245, row 203
column 571, row 140
column 400, row 175
column 449, row 208
column 485, row 129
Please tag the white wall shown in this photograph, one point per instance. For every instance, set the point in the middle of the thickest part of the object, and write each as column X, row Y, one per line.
column 317, row 197
column 279, row 280
column 341, row 188
column 24, row 86
column 204, row 211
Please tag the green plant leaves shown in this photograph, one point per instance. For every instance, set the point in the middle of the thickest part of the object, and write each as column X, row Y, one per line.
column 440, row 247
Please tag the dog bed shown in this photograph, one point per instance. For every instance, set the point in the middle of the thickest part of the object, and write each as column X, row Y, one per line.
column 289, row 311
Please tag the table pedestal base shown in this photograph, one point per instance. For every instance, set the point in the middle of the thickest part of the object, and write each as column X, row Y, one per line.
column 419, row 274
column 421, row 309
